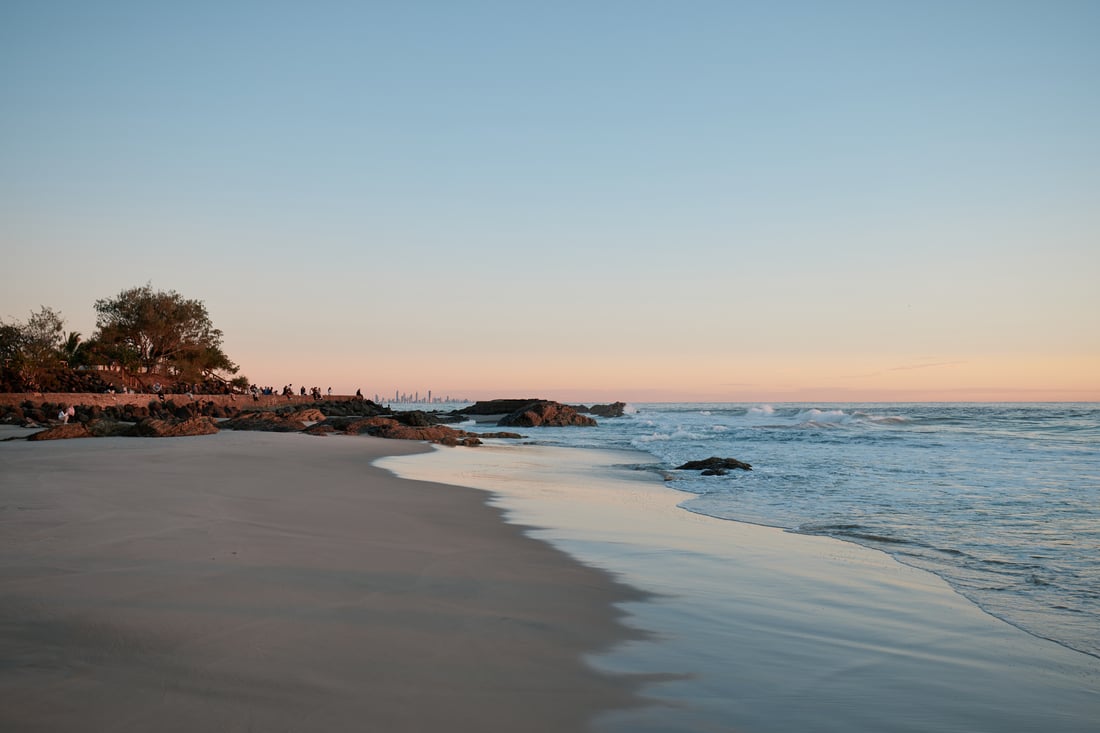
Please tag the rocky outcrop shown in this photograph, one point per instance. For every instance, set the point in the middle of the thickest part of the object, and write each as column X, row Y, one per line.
column 496, row 407
column 349, row 408
column 433, row 433
column 269, row 422
column 545, row 413
column 154, row 428
column 615, row 409
column 62, row 432
column 154, row 418
column 715, row 466
column 348, row 425
column 388, row 427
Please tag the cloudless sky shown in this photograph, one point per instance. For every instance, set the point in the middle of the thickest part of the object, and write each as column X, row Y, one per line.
column 582, row 200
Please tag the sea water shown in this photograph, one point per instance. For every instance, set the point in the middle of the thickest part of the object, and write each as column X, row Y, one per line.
column 1000, row 500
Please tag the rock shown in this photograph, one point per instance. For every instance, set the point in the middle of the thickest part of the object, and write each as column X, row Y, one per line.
column 715, row 472
column 107, row 428
column 512, row 436
column 62, row 432
column 388, row 427
column 13, row 416
column 496, row 407
column 414, row 418
column 615, row 409
column 263, row 421
column 434, row 434
column 310, row 414
column 348, row 425
column 350, row 408
column 545, row 413
column 714, row 464
column 154, row 428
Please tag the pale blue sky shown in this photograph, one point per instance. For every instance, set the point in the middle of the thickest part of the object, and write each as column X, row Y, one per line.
column 673, row 190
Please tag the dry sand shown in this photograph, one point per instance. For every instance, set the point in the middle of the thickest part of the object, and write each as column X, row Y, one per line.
column 247, row 581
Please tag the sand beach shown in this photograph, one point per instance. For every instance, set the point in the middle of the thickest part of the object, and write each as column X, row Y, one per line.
column 268, row 581
column 258, row 581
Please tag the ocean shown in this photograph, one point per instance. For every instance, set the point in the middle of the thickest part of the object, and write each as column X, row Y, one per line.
column 1002, row 501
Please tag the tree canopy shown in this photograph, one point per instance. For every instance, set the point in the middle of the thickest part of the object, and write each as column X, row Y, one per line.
column 139, row 330
column 160, row 331
column 29, row 351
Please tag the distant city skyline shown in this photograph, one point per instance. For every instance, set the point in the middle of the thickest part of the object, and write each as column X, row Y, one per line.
column 717, row 201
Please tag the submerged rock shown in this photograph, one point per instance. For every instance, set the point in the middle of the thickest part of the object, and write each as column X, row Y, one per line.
column 714, row 464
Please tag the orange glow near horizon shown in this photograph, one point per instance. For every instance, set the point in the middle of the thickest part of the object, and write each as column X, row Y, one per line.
column 670, row 379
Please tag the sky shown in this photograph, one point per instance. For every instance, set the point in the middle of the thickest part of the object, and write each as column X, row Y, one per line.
column 592, row 201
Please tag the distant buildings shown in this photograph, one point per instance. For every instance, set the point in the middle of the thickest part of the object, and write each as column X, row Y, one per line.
column 415, row 398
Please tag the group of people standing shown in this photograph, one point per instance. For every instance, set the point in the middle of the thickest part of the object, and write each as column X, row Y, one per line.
column 287, row 391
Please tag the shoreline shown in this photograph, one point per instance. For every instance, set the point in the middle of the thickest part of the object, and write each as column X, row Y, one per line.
column 772, row 630
column 258, row 580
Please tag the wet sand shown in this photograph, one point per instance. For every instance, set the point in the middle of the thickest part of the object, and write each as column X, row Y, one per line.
column 770, row 631
column 255, row 581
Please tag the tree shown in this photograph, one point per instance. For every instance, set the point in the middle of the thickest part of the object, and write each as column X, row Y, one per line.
column 74, row 351
column 11, row 357
column 31, row 351
column 162, row 332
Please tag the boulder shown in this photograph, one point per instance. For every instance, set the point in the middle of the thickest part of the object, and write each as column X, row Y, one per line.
column 13, row 416
column 309, row 414
column 615, row 409
column 545, row 413
column 62, row 432
column 154, row 428
column 414, row 418
column 715, row 464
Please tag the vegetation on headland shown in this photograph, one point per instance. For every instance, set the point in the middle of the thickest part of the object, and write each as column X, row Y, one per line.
column 142, row 335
